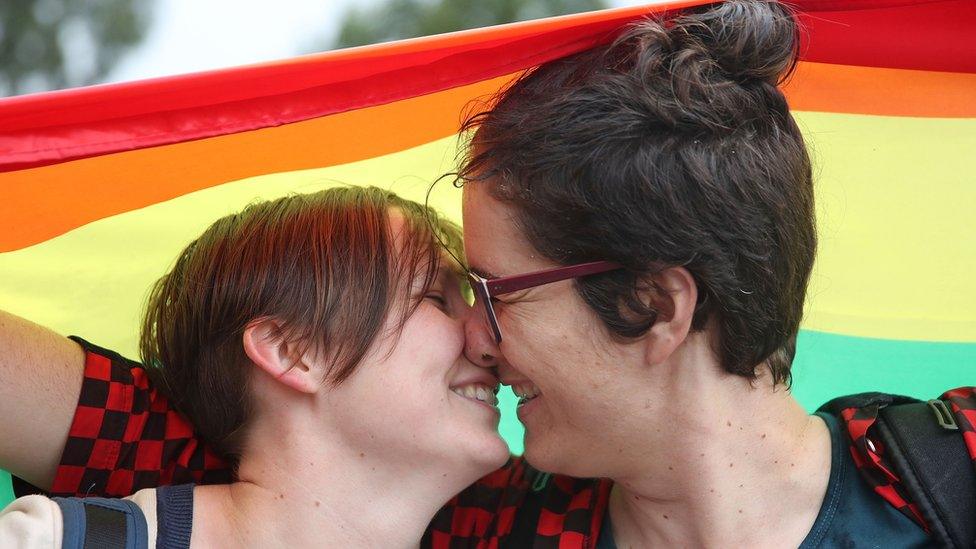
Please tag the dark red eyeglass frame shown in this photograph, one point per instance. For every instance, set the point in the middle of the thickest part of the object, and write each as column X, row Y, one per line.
column 487, row 288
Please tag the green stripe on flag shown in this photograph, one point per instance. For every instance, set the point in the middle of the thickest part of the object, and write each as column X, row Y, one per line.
column 828, row 365
column 6, row 490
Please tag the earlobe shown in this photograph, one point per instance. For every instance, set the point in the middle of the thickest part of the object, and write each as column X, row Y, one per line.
column 271, row 353
column 676, row 299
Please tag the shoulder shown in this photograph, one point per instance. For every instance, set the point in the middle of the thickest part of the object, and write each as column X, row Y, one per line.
column 105, row 365
column 126, row 435
column 31, row 521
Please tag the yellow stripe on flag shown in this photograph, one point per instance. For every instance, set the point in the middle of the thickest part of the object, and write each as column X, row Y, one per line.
column 892, row 200
column 896, row 205
column 93, row 280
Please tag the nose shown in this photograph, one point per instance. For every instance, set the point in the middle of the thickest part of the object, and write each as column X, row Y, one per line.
column 479, row 343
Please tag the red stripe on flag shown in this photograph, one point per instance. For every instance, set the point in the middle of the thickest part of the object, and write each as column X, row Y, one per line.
column 920, row 34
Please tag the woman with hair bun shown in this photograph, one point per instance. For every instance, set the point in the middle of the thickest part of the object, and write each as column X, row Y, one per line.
column 668, row 169
column 639, row 227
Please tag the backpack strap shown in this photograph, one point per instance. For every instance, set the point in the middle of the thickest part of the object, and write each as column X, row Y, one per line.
column 912, row 453
column 924, row 445
column 102, row 523
column 860, row 414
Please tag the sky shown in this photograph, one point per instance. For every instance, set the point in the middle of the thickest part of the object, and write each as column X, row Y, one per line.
column 194, row 35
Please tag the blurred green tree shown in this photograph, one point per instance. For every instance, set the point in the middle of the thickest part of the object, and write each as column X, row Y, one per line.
column 396, row 19
column 50, row 44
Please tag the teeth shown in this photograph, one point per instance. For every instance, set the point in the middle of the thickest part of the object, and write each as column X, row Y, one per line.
column 525, row 391
column 477, row 391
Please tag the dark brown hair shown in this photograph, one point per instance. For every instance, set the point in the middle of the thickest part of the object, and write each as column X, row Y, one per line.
column 324, row 265
column 672, row 146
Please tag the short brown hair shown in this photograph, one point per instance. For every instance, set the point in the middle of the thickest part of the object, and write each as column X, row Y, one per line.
column 324, row 265
column 673, row 146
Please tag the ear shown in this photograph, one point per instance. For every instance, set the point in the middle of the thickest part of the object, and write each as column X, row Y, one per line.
column 268, row 350
column 675, row 300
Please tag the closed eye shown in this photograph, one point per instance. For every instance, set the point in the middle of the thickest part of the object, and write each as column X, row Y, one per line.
column 511, row 298
column 438, row 300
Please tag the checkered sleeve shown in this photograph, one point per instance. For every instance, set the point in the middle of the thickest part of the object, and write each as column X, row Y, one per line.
column 125, row 436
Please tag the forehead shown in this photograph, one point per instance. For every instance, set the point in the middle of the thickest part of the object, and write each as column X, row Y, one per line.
column 448, row 269
column 397, row 223
column 493, row 243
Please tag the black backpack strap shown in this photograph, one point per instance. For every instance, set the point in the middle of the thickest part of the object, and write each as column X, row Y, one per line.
column 837, row 406
column 928, row 451
column 101, row 523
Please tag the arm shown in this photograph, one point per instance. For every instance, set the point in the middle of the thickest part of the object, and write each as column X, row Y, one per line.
column 40, row 379
column 80, row 420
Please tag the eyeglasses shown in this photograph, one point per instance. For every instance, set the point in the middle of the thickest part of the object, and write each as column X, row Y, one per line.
column 486, row 289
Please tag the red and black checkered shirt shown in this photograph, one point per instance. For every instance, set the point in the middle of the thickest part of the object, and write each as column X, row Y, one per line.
column 125, row 437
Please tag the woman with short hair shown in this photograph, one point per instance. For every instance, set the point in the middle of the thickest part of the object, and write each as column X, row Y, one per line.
column 317, row 342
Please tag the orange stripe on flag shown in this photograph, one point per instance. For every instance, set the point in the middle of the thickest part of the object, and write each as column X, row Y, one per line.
column 825, row 87
column 45, row 202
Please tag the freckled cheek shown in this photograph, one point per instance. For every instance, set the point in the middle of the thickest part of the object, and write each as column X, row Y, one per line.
column 531, row 332
column 524, row 321
column 559, row 328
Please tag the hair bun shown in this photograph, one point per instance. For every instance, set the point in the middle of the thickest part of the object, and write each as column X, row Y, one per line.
column 750, row 40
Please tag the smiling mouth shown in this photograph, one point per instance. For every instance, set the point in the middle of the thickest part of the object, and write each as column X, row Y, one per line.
column 479, row 392
column 525, row 392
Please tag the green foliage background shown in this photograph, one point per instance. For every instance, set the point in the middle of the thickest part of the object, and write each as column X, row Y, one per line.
column 52, row 44
column 409, row 18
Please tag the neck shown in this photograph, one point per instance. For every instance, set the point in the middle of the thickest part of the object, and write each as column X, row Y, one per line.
column 296, row 493
column 750, row 469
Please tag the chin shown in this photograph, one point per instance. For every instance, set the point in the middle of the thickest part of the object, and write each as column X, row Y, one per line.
column 496, row 453
column 548, row 453
column 487, row 454
column 540, row 458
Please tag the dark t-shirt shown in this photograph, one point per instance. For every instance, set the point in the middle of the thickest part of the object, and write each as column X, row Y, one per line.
column 852, row 515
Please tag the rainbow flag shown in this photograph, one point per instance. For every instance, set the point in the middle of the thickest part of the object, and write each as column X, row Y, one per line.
column 100, row 187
